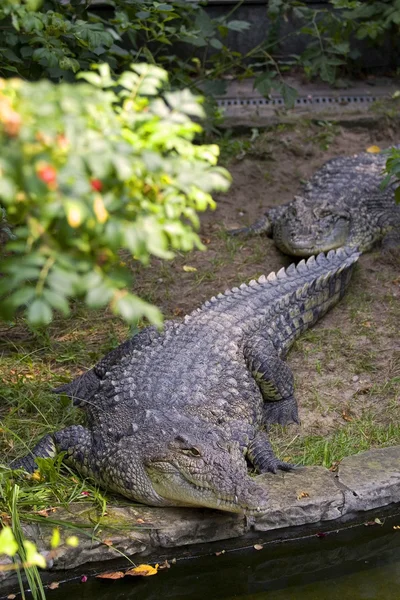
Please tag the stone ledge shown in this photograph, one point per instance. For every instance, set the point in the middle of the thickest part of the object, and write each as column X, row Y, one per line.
column 307, row 495
column 303, row 497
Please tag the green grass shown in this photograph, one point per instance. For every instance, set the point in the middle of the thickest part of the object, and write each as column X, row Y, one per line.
column 327, row 451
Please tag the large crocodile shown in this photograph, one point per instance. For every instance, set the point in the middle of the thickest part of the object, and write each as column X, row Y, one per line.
column 343, row 204
column 173, row 415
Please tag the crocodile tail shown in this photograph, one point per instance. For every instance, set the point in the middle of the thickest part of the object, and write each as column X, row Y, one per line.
column 326, row 279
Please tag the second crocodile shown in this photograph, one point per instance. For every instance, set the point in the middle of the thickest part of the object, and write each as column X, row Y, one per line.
column 173, row 416
column 341, row 205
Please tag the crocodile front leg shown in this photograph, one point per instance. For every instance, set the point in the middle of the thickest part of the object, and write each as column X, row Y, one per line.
column 275, row 380
column 264, row 224
column 261, row 455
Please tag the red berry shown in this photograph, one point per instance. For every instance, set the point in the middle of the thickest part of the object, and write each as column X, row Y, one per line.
column 47, row 174
column 96, row 184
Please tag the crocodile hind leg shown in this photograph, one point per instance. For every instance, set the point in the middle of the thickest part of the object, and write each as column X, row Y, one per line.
column 275, row 380
column 45, row 448
column 261, row 455
column 391, row 242
column 76, row 441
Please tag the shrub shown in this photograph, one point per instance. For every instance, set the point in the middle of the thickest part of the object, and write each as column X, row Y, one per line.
column 89, row 169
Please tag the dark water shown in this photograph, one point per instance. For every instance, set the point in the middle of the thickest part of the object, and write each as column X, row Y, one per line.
column 357, row 563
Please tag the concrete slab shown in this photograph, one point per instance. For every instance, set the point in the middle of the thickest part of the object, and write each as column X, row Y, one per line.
column 371, row 479
column 308, row 495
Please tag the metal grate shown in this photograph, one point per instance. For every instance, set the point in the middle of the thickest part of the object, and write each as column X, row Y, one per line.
column 301, row 101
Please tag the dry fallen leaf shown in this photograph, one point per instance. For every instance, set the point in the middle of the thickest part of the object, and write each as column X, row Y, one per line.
column 164, row 565
column 373, row 149
column 140, row 521
column 53, row 585
column 258, row 546
column 46, row 511
column 5, row 519
column 346, row 417
column 114, row 575
column 108, row 542
column 143, row 571
column 189, row 269
column 11, row 596
column 303, row 495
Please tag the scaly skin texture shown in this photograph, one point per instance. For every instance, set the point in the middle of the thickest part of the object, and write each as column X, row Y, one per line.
column 341, row 205
column 173, row 416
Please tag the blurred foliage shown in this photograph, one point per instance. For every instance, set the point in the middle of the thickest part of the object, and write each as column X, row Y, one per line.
column 333, row 48
column 393, row 170
column 58, row 38
column 88, row 170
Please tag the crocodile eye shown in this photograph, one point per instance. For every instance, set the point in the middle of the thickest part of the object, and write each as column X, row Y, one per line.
column 194, row 452
column 191, row 451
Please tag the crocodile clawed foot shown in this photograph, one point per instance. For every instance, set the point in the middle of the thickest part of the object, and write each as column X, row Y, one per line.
column 282, row 412
column 272, row 464
column 280, row 465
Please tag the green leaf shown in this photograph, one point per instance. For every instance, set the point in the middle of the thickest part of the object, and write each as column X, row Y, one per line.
column 92, row 78
column 264, row 83
column 32, row 22
column 8, row 189
column 164, row 7
column 55, row 538
column 45, row 57
column 215, row 87
column 204, row 24
column 33, row 557
column 63, row 282
column 10, row 55
column 216, row 43
column 21, row 296
column 131, row 308
column 39, row 313
column 99, row 296
column 69, row 64
column 238, row 25
column 289, row 95
column 184, row 101
column 92, row 36
column 57, row 301
column 8, row 545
